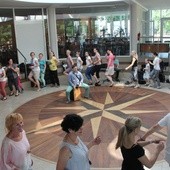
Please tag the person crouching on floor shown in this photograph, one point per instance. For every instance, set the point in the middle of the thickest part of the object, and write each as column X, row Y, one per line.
column 75, row 79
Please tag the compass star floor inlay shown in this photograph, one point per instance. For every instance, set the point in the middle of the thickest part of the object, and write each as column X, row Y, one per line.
column 103, row 115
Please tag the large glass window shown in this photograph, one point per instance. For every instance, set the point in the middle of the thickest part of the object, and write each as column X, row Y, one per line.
column 156, row 32
column 7, row 36
column 102, row 32
column 161, row 28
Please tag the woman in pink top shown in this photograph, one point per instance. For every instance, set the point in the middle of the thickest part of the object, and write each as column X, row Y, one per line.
column 15, row 149
column 110, row 66
column 3, row 81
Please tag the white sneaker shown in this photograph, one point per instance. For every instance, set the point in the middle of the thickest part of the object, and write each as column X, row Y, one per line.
column 137, row 86
column 159, row 87
column 131, row 85
column 150, row 85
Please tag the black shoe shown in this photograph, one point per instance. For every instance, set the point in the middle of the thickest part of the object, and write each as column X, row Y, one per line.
column 97, row 84
column 4, row 98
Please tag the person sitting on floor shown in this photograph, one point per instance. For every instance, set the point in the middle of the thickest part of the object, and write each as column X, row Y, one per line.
column 75, row 80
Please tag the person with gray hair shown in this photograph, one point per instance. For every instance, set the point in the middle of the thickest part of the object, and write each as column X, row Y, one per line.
column 132, row 151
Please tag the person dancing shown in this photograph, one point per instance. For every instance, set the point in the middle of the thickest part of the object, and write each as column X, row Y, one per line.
column 96, row 67
column 110, row 66
column 35, row 71
column 134, row 71
column 134, row 157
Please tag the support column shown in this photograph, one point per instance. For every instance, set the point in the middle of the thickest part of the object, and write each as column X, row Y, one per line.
column 136, row 17
column 133, row 27
column 52, row 30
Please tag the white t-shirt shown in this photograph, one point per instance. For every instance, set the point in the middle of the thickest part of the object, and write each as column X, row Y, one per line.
column 156, row 63
column 165, row 122
column 79, row 63
column 2, row 77
column 88, row 63
column 35, row 63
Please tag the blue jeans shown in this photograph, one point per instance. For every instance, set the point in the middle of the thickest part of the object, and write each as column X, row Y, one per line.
column 83, row 85
column 134, row 74
column 154, row 75
column 88, row 73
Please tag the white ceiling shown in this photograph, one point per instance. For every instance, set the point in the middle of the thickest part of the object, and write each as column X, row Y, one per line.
column 154, row 4
column 148, row 4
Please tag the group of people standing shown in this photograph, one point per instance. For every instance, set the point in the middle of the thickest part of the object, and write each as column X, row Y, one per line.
column 10, row 74
column 93, row 65
column 38, row 70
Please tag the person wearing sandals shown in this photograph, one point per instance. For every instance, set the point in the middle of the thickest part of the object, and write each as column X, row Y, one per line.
column 12, row 76
column 3, row 81
column 110, row 66
column 35, row 71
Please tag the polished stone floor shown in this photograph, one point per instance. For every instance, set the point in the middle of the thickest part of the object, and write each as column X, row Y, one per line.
column 103, row 116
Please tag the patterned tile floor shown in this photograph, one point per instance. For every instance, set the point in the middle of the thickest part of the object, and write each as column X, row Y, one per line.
column 13, row 103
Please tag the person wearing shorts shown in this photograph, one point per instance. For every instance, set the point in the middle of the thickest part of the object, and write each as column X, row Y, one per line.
column 35, row 71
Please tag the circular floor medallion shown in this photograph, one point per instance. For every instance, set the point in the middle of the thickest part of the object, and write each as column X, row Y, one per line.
column 103, row 115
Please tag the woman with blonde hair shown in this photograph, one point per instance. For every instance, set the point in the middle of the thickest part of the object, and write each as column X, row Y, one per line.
column 69, row 61
column 132, row 151
column 15, row 149
column 134, row 66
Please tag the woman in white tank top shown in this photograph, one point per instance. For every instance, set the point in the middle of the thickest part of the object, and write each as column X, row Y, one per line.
column 73, row 154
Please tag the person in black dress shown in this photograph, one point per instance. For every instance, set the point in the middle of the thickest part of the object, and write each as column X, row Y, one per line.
column 134, row 157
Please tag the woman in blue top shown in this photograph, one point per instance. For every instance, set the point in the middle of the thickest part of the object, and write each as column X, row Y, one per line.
column 42, row 65
column 133, row 153
column 73, row 154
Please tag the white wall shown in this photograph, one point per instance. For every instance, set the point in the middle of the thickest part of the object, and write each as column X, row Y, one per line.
column 30, row 37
